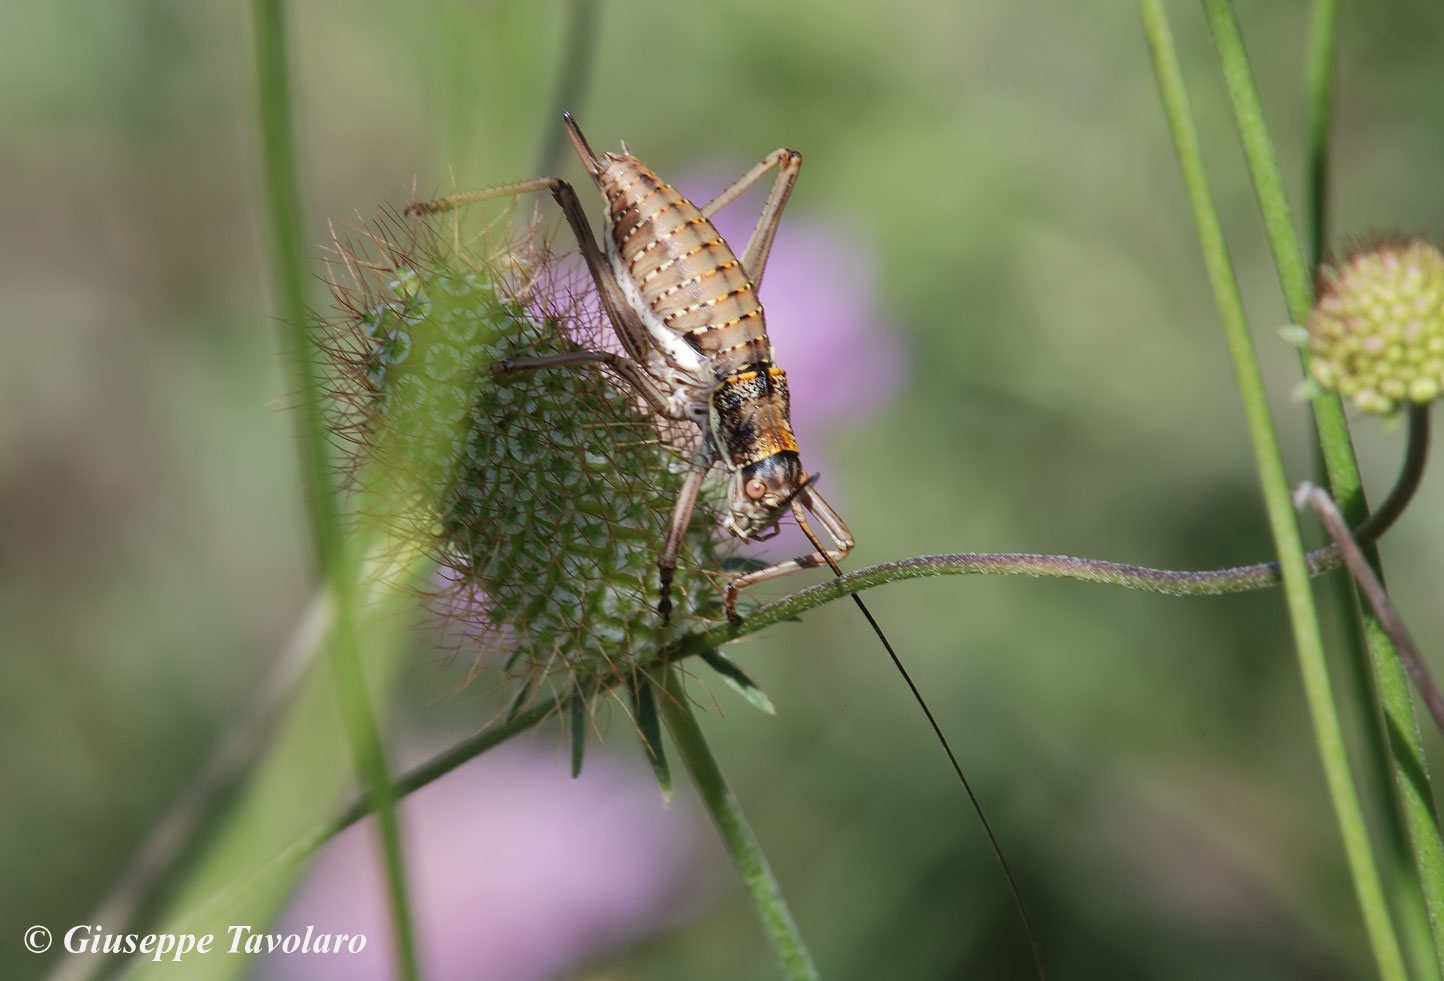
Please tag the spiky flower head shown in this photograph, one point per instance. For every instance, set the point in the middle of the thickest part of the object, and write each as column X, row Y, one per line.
column 1377, row 330
column 544, row 494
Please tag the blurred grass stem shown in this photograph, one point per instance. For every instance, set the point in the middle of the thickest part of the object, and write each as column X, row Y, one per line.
column 1308, row 642
column 1323, row 37
column 578, row 55
column 340, row 561
column 176, row 830
column 1394, row 740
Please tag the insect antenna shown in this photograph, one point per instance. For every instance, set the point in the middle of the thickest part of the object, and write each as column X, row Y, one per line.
column 937, row 731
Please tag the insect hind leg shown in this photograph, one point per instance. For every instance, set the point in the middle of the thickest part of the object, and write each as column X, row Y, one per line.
column 580, row 144
column 624, row 320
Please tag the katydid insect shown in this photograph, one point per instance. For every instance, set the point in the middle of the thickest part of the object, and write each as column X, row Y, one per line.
column 685, row 308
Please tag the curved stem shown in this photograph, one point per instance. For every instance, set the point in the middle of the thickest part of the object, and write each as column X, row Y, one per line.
column 1416, row 455
column 444, row 762
column 1173, row 582
column 304, row 846
column 1167, row 581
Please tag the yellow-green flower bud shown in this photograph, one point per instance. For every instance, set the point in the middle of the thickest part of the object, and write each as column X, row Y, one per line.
column 1377, row 331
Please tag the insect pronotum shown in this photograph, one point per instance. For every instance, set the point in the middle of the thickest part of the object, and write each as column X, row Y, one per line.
column 686, row 310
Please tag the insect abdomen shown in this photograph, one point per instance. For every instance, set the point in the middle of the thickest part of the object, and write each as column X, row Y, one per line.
column 683, row 269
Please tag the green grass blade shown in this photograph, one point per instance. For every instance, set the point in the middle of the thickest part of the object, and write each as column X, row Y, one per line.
column 1323, row 38
column 1328, row 732
column 340, row 563
column 1399, row 731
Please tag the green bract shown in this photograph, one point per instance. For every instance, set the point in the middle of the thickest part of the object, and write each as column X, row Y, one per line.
column 1377, row 330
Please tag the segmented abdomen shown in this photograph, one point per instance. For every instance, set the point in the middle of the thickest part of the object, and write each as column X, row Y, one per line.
column 684, row 270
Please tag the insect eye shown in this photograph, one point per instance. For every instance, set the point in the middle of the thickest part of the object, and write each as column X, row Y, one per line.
column 755, row 489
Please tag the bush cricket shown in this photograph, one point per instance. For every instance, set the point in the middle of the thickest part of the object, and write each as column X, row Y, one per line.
column 686, row 311
column 685, row 308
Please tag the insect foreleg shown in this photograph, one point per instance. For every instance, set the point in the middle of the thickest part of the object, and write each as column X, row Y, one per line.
column 836, row 528
column 789, row 165
column 831, row 521
column 681, row 516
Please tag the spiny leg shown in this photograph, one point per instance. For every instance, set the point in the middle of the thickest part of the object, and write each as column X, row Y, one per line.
column 789, row 165
column 836, row 529
column 681, row 517
column 628, row 369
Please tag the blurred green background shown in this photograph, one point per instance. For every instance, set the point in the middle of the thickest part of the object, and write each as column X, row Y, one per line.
column 1007, row 176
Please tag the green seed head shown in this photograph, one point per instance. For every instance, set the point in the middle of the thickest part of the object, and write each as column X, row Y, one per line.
column 1377, row 330
column 545, row 494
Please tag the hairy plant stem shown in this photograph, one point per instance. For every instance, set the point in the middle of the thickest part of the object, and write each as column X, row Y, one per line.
column 1171, row 582
column 1167, row 581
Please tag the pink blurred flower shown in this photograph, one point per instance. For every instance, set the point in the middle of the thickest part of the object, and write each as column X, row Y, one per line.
column 516, row 871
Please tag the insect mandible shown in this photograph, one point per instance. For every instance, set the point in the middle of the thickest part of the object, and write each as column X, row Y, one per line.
column 686, row 310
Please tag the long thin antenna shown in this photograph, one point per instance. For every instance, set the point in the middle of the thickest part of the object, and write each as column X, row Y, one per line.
column 937, row 731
